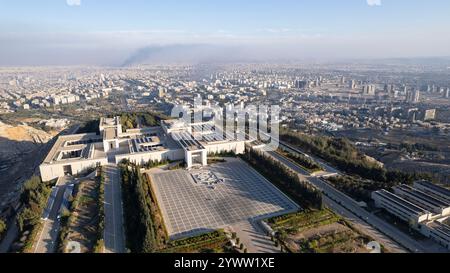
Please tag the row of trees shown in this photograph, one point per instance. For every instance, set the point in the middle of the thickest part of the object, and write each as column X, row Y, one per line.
column 357, row 188
column 287, row 180
column 155, row 163
column 100, row 243
column 34, row 199
column 144, row 229
column 346, row 157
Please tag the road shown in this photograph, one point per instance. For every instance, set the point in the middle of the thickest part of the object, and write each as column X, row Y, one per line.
column 114, row 229
column 327, row 168
column 341, row 202
column 27, row 167
column 46, row 242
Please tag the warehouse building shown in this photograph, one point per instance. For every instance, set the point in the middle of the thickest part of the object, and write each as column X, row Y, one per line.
column 400, row 207
column 425, row 207
column 433, row 189
column 434, row 204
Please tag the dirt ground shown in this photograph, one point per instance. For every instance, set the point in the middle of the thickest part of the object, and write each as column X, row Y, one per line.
column 84, row 227
column 24, row 133
column 332, row 238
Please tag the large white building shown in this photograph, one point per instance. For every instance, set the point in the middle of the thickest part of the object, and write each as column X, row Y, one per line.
column 174, row 140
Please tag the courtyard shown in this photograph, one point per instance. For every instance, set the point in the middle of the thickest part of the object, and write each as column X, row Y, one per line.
column 217, row 196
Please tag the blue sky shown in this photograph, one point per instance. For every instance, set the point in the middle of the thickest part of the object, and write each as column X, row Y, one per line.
column 319, row 27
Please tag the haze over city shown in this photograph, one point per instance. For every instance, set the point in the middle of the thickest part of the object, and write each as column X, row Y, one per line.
column 115, row 33
column 224, row 127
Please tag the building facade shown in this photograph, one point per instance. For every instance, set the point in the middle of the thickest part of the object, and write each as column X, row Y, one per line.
column 174, row 140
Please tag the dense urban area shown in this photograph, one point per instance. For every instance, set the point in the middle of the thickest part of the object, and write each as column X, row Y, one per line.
column 353, row 137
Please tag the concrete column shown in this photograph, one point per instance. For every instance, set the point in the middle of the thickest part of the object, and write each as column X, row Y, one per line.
column 204, row 158
column 188, row 159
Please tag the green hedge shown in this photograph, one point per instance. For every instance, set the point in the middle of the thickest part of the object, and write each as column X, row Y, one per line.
column 209, row 241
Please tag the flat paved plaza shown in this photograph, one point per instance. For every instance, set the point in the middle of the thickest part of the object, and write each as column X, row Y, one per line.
column 219, row 196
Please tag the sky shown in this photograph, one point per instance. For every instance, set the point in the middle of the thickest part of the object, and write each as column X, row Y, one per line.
column 108, row 32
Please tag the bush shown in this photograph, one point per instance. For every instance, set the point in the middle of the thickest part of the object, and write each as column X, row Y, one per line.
column 208, row 242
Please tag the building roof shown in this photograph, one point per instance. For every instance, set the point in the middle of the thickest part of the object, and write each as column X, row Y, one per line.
column 70, row 143
column 187, row 141
column 110, row 133
column 423, row 196
column 438, row 226
column 413, row 209
column 434, row 187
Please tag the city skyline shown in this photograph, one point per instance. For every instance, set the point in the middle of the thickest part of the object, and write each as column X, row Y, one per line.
column 61, row 32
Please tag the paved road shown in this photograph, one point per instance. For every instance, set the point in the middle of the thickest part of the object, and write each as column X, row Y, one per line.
column 46, row 242
column 324, row 165
column 114, row 230
column 348, row 205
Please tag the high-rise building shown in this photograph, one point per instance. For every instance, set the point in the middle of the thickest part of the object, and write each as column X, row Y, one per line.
column 416, row 95
column 405, row 89
column 447, row 93
column 300, row 84
column 413, row 96
column 161, row 92
column 368, row 90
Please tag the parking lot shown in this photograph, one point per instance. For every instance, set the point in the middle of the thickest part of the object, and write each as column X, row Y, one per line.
column 236, row 193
